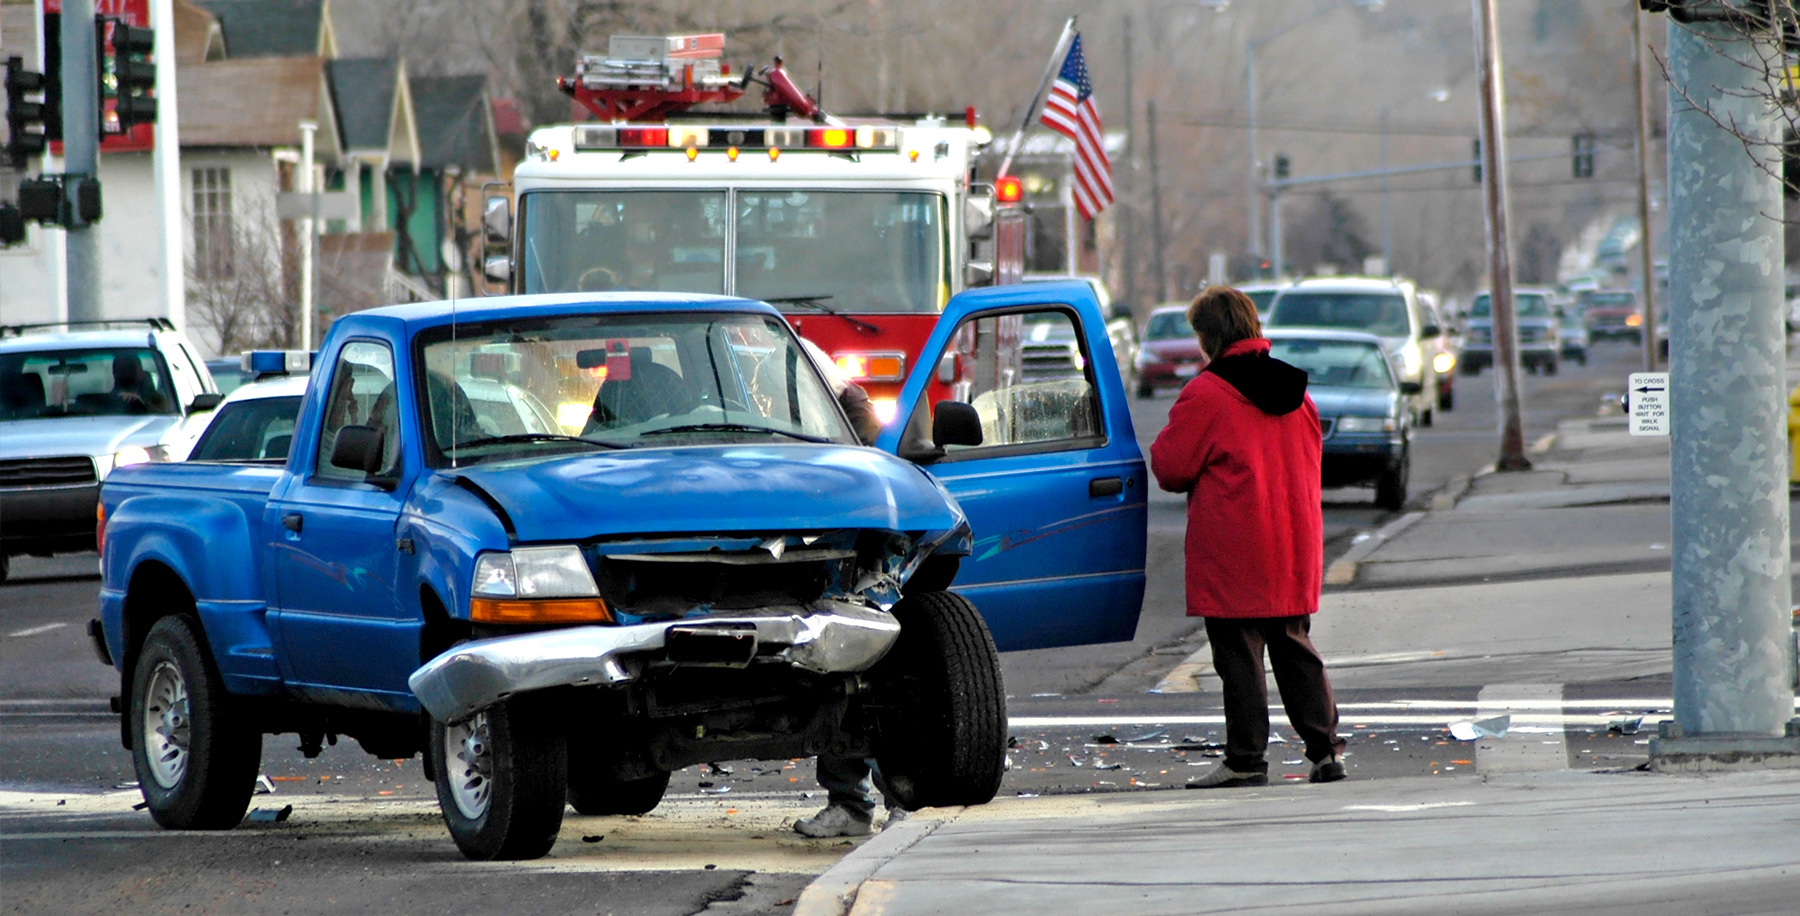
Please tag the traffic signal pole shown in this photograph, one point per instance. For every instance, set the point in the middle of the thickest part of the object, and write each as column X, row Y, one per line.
column 1733, row 655
column 81, row 153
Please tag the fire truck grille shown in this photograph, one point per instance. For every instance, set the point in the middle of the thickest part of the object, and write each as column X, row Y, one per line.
column 71, row 471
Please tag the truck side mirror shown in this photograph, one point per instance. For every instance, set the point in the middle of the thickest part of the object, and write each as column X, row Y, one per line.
column 1431, row 329
column 978, row 212
column 946, row 369
column 955, row 423
column 497, row 269
column 978, row 273
column 1411, row 388
column 358, row 448
column 496, row 221
column 206, row 400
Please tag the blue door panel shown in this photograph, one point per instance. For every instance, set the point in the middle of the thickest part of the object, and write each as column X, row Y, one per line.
column 1016, row 611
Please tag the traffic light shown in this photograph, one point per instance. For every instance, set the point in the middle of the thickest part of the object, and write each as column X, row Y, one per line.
column 1584, row 155
column 127, row 76
column 24, row 118
column 1477, row 169
column 1281, row 168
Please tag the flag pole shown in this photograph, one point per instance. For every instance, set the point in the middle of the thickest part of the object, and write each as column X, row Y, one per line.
column 1062, row 48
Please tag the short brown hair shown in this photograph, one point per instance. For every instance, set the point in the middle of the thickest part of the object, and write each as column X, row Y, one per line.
column 1222, row 316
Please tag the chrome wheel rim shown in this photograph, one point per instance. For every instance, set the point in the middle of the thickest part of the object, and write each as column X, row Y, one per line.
column 469, row 765
column 168, row 729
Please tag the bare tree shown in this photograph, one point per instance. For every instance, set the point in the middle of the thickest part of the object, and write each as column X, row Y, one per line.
column 239, row 296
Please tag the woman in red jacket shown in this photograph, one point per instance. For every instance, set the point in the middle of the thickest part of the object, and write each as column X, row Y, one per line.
column 1243, row 444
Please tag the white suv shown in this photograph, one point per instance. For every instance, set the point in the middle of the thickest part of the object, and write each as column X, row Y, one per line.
column 1389, row 309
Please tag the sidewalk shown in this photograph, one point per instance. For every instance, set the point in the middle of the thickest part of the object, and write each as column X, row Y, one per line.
column 1517, row 581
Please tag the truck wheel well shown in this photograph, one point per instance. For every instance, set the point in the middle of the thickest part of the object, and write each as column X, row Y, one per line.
column 441, row 631
column 154, row 592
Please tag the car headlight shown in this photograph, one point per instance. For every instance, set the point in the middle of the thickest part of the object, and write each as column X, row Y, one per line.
column 1367, row 424
column 1409, row 359
column 535, row 585
column 139, row 454
column 1443, row 363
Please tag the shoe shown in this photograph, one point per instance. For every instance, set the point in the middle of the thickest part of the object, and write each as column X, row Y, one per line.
column 896, row 815
column 834, row 820
column 1331, row 769
column 1223, row 777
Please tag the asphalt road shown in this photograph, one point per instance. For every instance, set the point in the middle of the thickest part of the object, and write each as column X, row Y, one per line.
column 364, row 834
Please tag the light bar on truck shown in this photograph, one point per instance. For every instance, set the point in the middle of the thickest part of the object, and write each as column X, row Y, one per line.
column 276, row 362
column 684, row 136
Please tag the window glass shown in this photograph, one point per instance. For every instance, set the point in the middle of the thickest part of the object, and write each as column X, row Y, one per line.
column 1168, row 326
column 862, row 251
column 87, row 382
column 211, row 209
column 362, row 394
column 1027, row 378
column 1376, row 313
column 1333, row 363
column 594, row 241
column 255, row 430
column 536, row 386
column 1525, row 305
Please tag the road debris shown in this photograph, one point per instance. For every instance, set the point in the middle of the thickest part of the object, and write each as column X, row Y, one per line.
column 269, row 815
column 1625, row 726
column 1471, row 729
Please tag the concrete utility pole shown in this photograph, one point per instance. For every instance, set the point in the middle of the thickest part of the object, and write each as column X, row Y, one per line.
column 1646, row 251
column 1252, row 180
column 1156, row 210
column 81, row 152
column 166, row 164
column 1127, row 215
column 1499, row 244
column 1728, row 502
column 304, row 185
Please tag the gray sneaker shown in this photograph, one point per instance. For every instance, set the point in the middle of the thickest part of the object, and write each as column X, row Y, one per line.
column 1223, row 777
column 833, row 820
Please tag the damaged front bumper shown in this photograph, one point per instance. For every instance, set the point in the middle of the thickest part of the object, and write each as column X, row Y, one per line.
column 828, row 637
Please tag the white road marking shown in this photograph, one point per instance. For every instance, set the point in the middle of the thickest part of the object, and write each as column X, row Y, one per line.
column 1498, row 755
column 1401, row 809
column 34, row 631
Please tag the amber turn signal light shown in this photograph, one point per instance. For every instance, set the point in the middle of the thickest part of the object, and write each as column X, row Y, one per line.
column 539, row 610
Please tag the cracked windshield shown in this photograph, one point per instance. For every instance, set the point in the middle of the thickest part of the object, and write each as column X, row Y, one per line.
column 869, row 250
column 505, row 389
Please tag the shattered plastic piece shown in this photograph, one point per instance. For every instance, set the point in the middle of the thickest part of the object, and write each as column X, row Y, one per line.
column 1625, row 726
column 1009, row 763
column 716, row 790
column 1036, row 696
column 705, row 785
column 593, row 838
column 1024, row 794
column 1471, row 729
column 1109, row 766
column 715, row 769
column 270, row 815
column 140, row 806
column 1276, row 739
column 127, row 785
column 1293, row 762
column 263, row 785
column 1105, row 739
column 1012, row 742
column 1075, row 761
column 1150, row 735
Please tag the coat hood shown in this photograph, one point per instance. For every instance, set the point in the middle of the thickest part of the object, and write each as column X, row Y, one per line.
column 1273, row 386
column 714, row 489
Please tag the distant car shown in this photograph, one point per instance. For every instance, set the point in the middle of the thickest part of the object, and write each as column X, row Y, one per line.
column 1263, row 294
column 1169, row 355
column 1613, row 314
column 228, row 373
column 1572, row 333
column 1540, row 340
column 253, row 423
column 1121, row 327
column 1385, row 307
column 1362, row 414
column 1439, row 351
column 76, row 403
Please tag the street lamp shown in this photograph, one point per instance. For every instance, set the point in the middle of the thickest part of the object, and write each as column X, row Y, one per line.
column 1253, row 176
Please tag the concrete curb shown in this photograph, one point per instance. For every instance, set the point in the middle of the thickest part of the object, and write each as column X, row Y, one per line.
column 1343, row 571
column 834, row 892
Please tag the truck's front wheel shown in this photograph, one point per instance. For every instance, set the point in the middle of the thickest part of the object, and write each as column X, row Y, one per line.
column 942, row 718
column 195, row 765
column 502, row 776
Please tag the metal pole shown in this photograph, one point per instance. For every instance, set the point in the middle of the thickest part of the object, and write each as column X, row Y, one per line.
column 1387, row 237
column 1156, row 210
column 1252, row 174
column 1500, row 298
column 166, row 163
column 1646, row 251
column 81, row 152
column 1276, row 254
column 1127, row 213
column 1729, row 459
column 1056, row 57
column 1071, row 222
column 305, row 186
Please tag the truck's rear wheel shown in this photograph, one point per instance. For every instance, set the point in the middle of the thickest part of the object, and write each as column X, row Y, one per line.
column 942, row 720
column 195, row 764
column 501, row 780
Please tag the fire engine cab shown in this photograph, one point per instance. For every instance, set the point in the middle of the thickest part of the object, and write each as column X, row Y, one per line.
column 859, row 228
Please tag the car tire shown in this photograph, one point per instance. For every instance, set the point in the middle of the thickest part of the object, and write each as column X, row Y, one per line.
column 1447, row 399
column 1551, row 365
column 940, row 706
column 502, row 780
column 1146, row 391
column 1390, row 487
column 195, row 760
column 1428, row 416
column 594, row 790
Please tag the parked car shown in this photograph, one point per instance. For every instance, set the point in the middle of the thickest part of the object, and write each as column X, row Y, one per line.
column 1613, row 314
column 1572, row 333
column 1121, row 327
column 1386, row 308
column 1540, row 338
column 76, row 401
column 1362, row 413
column 254, row 423
column 1263, row 294
column 712, row 567
column 1169, row 355
column 1440, row 351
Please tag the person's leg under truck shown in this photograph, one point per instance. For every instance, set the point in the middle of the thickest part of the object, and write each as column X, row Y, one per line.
column 847, row 783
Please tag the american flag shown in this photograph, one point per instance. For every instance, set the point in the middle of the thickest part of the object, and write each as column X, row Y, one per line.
column 1070, row 111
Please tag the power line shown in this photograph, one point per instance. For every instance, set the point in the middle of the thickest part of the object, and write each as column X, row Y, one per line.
column 1623, row 136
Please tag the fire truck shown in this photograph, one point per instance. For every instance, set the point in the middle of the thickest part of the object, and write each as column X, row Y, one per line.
column 859, row 228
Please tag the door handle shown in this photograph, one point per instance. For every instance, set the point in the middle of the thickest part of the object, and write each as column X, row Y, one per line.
column 293, row 521
column 1105, row 486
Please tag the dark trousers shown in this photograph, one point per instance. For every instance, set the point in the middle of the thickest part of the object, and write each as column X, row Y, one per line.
column 1237, row 649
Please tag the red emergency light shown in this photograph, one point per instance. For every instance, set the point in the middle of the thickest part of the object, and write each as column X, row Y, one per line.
column 643, row 136
column 830, row 137
column 1008, row 189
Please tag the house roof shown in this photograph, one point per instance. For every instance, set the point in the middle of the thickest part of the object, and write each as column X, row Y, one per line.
column 258, row 102
column 375, row 106
column 198, row 36
column 456, row 122
column 275, row 28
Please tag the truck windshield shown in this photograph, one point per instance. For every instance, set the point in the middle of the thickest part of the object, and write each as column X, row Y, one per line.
column 1525, row 305
column 502, row 388
column 860, row 251
column 87, row 382
column 1376, row 313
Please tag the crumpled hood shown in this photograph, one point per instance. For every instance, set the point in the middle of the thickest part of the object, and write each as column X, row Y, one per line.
column 53, row 436
column 704, row 489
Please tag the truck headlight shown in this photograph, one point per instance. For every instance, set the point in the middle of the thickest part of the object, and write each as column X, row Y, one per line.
column 535, row 585
column 138, row 454
column 1410, row 360
column 1443, row 363
column 1366, row 424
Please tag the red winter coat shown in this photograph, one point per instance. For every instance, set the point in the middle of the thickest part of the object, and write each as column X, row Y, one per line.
column 1243, row 443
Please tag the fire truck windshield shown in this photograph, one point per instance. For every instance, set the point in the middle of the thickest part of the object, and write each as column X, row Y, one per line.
column 869, row 251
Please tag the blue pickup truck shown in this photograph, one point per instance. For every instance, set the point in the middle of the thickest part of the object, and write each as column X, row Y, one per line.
column 564, row 545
